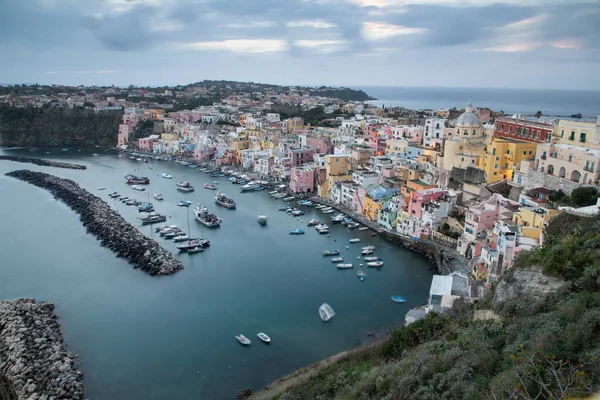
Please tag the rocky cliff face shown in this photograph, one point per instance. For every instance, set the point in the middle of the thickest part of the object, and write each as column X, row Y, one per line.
column 525, row 283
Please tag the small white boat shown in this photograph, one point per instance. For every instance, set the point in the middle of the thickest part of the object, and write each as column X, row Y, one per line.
column 375, row 264
column 138, row 187
column 313, row 222
column 337, row 259
column 326, row 312
column 327, row 211
column 324, row 231
column 167, row 176
column 369, row 247
column 345, row 266
column 102, row 188
column 273, row 193
column 366, row 252
column 262, row 219
column 195, row 250
column 320, row 206
column 363, row 228
column 243, row 339
column 321, row 226
column 355, row 240
column 264, row 337
column 158, row 196
column 370, row 258
column 289, row 198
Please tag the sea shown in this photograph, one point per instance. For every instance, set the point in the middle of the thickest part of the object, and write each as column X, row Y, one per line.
column 172, row 337
column 512, row 101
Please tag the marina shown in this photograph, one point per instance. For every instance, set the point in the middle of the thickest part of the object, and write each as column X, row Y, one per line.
column 296, row 278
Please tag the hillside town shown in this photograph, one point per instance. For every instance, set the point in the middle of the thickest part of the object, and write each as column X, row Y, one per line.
column 474, row 183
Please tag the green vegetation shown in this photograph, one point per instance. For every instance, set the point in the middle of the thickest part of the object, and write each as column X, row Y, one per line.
column 540, row 349
column 580, row 197
column 57, row 127
column 315, row 116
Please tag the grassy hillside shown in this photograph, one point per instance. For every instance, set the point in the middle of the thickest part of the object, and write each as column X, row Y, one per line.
column 538, row 349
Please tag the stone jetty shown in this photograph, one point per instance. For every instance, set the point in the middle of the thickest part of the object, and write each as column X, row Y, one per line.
column 35, row 361
column 106, row 224
column 43, row 163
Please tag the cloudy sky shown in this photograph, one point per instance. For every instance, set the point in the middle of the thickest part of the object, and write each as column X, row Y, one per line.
column 462, row 43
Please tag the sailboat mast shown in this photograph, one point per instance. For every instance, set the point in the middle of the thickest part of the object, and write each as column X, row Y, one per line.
column 188, row 221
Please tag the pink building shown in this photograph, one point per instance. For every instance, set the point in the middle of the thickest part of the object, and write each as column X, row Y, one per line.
column 422, row 197
column 358, row 201
column 147, row 143
column 320, row 144
column 124, row 131
column 302, row 180
column 301, row 156
column 204, row 153
column 131, row 119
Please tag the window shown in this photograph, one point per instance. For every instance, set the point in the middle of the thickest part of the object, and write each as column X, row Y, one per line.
column 496, row 166
column 562, row 134
column 472, row 161
column 572, row 135
column 494, row 151
column 530, row 152
column 497, row 158
column 539, row 135
column 458, row 131
column 570, row 157
column 495, row 173
column 508, row 151
column 582, row 137
column 504, row 127
column 510, row 129
column 462, row 159
column 474, row 132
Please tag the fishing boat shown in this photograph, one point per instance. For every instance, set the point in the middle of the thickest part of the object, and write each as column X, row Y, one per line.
column 363, row 228
column 326, row 312
column 206, row 218
column 184, row 203
column 167, row 176
column 337, row 219
column 185, row 187
column 345, row 266
column 361, row 274
column 321, row 226
column 209, row 186
column 337, row 259
column 262, row 219
column 263, row 336
column 153, row 218
column 146, row 207
column 224, row 201
column 195, row 250
column 368, row 247
column 366, row 252
column 370, row 258
column 243, row 339
column 323, row 231
column 297, row 213
column 297, row 232
column 355, row 240
column 331, row 253
column 313, row 222
column 398, row 299
column 138, row 187
column 250, row 187
column 137, row 180
column 283, row 208
column 375, row 264
column 352, row 225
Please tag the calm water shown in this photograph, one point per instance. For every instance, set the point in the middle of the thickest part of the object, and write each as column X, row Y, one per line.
column 512, row 101
column 141, row 337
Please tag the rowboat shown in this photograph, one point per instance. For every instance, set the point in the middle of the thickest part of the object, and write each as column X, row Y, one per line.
column 398, row 299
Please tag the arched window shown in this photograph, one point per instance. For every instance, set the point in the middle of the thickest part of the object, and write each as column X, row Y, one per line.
column 575, row 176
column 474, row 132
column 550, row 169
column 562, row 172
column 458, row 131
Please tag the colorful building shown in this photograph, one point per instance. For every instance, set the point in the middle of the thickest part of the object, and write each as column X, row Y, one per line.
column 502, row 156
column 575, row 163
column 577, row 133
column 524, row 130
column 302, row 179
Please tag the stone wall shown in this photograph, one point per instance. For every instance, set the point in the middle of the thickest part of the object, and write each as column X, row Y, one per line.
column 535, row 179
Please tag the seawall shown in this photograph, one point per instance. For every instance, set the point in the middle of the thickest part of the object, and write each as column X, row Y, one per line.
column 106, row 224
column 35, row 362
column 42, row 162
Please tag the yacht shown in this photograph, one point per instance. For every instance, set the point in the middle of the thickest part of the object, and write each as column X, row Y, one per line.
column 137, row 180
column 337, row 259
column 153, row 219
column 250, row 186
column 193, row 243
column 375, row 264
column 313, row 222
column 224, row 201
column 326, row 312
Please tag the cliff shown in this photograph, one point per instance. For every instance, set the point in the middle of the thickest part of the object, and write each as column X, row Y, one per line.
column 48, row 127
column 536, row 335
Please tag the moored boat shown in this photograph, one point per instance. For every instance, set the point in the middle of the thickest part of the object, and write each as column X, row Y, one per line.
column 262, row 219
column 264, row 337
column 146, row 207
column 398, row 299
column 289, row 198
column 327, row 211
column 113, row 195
column 192, row 243
column 167, row 176
column 184, row 203
column 297, row 232
column 375, row 264
column 206, row 218
column 361, row 274
column 313, row 222
column 370, row 258
column 363, row 228
column 137, row 180
column 153, row 219
column 158, row 196
column 184, row 187
column 243, row 339
column 209, row 186
column 138, row 187
column 297, row 213
column 354, row 240
column 337, row 259
column 366, row 252
column 352, row 225
column 250, row 186
column 195, row 250
column 283, row 208
column 323, row 231
column 321, row 226
column 337, row 219
column 326, row 312
column 368, row 247
column 331, row 252
column 345, row 266
column 224, row 201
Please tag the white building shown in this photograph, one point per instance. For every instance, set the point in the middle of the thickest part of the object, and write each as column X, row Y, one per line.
column 434, row 132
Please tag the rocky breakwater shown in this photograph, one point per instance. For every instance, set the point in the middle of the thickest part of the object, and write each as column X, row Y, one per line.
column 106, row 224
column 35, row 361
column 42, row 162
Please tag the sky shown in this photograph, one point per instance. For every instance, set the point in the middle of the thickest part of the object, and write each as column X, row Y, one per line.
column 445, row 43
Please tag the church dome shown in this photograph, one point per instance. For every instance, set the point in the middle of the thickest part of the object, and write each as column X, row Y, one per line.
column 468, row 118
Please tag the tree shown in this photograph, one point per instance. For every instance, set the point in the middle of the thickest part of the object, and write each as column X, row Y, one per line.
column 538, row 114
column 87, row 104
column 584, row 196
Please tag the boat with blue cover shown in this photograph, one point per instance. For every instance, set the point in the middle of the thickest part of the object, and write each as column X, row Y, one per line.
column 297, row 232
column 398, row 299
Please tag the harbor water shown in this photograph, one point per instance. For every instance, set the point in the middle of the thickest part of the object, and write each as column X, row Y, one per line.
column 172, row 337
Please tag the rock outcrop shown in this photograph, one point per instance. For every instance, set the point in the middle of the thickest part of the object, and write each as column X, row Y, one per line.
column 106, row 224
column 525, row 283
column 42, row 162
column 34, row 359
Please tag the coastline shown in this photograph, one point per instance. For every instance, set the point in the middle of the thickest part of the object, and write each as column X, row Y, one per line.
column 36, row 363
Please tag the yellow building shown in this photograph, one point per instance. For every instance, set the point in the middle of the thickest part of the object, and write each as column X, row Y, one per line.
column 502, row 155
column 372, row 209
column 584, row 134
column 169, row 137
column 532, row 221
column 240, row 143
column 294, row 124
column 337, row 168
